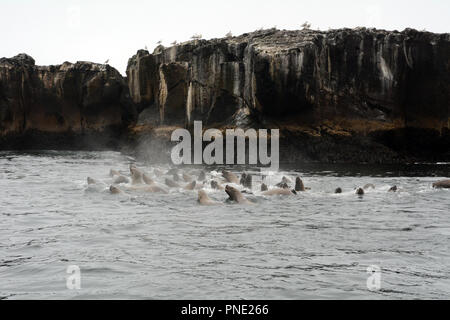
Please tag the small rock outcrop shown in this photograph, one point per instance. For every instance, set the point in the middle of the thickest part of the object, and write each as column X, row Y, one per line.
column 58, row 106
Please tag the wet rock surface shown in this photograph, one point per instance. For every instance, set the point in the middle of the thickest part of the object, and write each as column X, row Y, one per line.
column 344, row 95
column 63, row 106
column 347, row 95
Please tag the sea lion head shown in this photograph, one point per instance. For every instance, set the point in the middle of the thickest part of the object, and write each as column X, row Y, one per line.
column 264, row 187
column 393, row 189
column 214, row 184
column 360, row 191
column 233, row 193
column 91, row 181
column 299, row 186
column 136, row 175
column 114, row 190
column 338, row 190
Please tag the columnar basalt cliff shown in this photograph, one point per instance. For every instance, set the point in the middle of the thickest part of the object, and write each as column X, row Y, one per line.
column 342, row 95
column 63, row 106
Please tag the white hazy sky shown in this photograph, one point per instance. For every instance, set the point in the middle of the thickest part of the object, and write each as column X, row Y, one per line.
column 54, row 31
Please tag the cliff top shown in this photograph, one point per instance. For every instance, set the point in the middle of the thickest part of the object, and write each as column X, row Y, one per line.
column 23, row 59
column 275, row 40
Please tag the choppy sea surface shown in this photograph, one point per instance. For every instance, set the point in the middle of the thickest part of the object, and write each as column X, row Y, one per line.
column 140, row 245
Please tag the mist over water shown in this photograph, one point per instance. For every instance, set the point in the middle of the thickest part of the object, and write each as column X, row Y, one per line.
column 316, row 244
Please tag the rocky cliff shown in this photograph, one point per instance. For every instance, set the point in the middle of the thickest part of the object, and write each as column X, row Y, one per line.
column 341, row 95
column 63, row 106
column 348, row 95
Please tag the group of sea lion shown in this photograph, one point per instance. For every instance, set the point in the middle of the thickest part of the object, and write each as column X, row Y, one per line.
column 139, row 180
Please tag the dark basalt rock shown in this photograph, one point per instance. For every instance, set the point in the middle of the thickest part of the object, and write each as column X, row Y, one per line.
column 64, row 106
column 344, row 95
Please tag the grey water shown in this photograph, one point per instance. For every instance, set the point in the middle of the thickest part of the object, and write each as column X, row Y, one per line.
column 136, row 245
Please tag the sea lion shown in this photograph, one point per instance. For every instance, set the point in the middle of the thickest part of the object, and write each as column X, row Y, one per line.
column 147, row 179
column 113, row 173
column 171, row 183
column 187, row 177
column 201, row 176
column 264, row 187
column 203, row 199
column 216, row 185
column 91, row 181
column 282, row 185
column 121, row 179
column 230, row 177
column 359, row 191
column 338, row 190
column 369, row 185
column 246, row 180
column 442, row 184
column 279, row 191
column 136, row 175
column 393, row 189
column 114, row 190
column 299, row 186
column 190, row 186
column 236, row 195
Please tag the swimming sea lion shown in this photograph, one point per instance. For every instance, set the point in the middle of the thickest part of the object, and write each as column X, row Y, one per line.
column 279, row 191
column 113, row 173
column 190, row 186
column 442, row 184
column 187, row 177
column 114, row 190
column 147, row 179
column 369, row 185
column 282, row 185
column 230, row 177
column 264, row 187
column 203, row 199
column 246, row 180
column 216, row 185
column 121, row 179
column 338, row 190
column 393, row 189
column 91, row 181
column 299, row 186
column 236, row 195
column 136, row 175
column 171, row 183
column 359, row 191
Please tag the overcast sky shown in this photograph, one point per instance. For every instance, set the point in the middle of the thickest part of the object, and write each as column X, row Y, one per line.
column 54, row 31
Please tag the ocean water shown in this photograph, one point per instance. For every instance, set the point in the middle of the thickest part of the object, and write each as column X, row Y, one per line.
column 138, row 245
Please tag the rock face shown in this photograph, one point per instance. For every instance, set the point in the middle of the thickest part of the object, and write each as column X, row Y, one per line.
column 348, row 95
column 389, row 91
column 58, row 106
